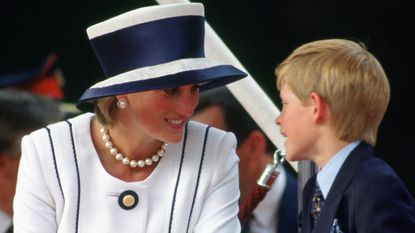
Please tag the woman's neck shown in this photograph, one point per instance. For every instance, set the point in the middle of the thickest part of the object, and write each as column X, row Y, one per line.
column 133, row 146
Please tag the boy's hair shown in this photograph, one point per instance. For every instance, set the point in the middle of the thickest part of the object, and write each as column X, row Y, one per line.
column 348, row 78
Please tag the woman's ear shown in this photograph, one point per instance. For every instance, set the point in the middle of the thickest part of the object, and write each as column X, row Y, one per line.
column 320, row 107
column 118, row 97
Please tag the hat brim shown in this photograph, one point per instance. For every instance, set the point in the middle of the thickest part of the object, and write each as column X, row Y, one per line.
column 208, row 78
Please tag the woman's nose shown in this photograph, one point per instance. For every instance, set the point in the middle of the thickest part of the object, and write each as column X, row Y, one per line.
column 187, row 104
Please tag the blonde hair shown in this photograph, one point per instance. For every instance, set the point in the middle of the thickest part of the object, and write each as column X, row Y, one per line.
column 350, row 80
column 104, row 109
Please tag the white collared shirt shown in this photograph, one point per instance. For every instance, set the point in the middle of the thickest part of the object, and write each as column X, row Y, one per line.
column 328, row 173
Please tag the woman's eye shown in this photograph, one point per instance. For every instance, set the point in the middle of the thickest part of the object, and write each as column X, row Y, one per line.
column 178, row 90
column 171, row 91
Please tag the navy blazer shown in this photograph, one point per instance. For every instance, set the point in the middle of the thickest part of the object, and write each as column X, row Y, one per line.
column 367, row 196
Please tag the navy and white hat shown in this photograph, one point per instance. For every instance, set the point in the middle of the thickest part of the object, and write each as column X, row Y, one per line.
column 155, row 47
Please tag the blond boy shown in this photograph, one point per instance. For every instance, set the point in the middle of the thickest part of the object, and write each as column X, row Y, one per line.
column 334, row 95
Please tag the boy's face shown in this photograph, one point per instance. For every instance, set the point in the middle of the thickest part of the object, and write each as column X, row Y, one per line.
column 296, row 124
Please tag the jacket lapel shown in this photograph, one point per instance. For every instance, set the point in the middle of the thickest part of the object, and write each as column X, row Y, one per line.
column 346, row 173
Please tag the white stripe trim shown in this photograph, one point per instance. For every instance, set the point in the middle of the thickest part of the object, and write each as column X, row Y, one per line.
column 155, row 71
column 143, row 15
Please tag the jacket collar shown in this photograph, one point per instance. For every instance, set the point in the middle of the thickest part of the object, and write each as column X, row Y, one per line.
column 343, row 179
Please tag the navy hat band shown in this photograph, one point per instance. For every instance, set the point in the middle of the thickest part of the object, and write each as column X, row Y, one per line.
column 150, row 43
column 208, row 78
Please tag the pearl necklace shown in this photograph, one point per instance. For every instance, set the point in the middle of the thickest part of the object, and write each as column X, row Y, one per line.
column 124, row 159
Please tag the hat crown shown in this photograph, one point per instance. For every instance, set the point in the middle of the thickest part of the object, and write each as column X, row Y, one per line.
column 144, row 15
column 155, row 47
column 149, row 36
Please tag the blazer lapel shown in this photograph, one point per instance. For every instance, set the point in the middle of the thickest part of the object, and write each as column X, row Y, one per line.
column 346, row 173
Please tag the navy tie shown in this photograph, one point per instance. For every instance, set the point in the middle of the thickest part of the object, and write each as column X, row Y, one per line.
column 317, row 202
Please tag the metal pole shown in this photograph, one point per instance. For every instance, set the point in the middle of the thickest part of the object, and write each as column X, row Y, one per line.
column 306, row 169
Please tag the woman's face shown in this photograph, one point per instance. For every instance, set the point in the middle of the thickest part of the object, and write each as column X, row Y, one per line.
column 162, row 114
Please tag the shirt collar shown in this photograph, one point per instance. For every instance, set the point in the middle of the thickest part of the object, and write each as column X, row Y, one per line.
column 328, row 173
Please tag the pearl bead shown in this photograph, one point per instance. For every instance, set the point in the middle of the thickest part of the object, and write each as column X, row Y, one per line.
column 148, row 161
column 109, row 145
column 133, row 163
column 155, row 158
column 105, row 137
column 141, row 163
column 126, row 161
column 119, row 156
column 103, row 130
column 114, row 151
column 164, row 146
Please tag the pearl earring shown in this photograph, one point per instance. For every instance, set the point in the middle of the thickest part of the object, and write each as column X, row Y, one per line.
column 122, row 103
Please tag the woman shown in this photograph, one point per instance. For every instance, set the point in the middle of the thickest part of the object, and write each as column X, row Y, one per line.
column 137, row 164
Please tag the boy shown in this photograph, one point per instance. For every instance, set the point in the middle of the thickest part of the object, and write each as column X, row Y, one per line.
column 334, row 95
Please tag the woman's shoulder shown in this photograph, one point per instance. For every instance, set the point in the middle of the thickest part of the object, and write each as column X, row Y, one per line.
column 80, row 121
column 195, row 127
column 213, row 135
column 201, row 127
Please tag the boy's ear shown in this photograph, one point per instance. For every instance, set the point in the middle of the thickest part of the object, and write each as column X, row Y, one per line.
column 320, row 108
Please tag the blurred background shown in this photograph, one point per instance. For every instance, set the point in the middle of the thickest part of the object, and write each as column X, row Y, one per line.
column 261, row 33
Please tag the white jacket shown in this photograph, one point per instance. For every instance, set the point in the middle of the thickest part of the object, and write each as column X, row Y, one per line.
column 62, row 186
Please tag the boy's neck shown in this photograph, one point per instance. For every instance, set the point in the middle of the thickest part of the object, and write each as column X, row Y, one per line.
column 328, row 149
